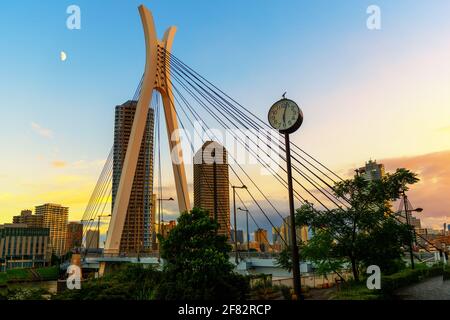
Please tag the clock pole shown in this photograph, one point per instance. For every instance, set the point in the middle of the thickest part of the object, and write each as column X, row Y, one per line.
column 295, row 255
column 286, row 126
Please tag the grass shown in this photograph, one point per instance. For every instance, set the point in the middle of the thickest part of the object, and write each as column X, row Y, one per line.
column 356, row 291
column 48, row 273
column 18, row 275
column 24, row 275
column 3, row 278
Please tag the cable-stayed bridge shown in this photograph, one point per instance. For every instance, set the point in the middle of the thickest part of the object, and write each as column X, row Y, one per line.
column 191, row 103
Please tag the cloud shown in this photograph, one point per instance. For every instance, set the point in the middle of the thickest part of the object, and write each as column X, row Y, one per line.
column 44, row 132
column 433, row 190
column 59, row 164
column 78, row 165
column 83, row 164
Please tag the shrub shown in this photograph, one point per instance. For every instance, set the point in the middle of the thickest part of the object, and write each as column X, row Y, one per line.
column 407, row 277
column 286, row 292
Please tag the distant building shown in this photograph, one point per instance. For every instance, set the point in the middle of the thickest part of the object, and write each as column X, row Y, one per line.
column 30, row 219
column 240, row 236
column 211, row 178
column 276, row 239
column 302, row 233
column 166, row 227
column 55, row 218
column 277, row 247
column 92, row 239
column 372, row 171
column 22, row 246
column 415, row 222
column 137, row 229
column 262, row 239
column 255, row 246
column 74, row 235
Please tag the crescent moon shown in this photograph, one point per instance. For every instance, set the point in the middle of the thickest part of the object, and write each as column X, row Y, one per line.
column 63, row 56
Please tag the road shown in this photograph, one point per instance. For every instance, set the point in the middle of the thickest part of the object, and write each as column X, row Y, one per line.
column 431, row 289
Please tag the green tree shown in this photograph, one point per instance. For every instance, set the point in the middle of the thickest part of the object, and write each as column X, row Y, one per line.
column 362, row 234
column 197, row 265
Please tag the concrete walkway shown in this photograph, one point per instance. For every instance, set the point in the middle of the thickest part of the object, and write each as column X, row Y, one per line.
column 431, row 289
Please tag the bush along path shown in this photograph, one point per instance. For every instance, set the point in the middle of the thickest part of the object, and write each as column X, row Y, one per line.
column 421, row 283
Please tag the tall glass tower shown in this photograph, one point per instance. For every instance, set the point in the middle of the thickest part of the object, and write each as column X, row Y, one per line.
column 137, row 231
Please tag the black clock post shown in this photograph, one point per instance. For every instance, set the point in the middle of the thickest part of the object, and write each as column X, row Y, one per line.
column 286, row 125
column 295, row 255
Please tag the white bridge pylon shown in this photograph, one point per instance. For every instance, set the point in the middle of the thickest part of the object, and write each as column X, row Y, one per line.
column 156, row 77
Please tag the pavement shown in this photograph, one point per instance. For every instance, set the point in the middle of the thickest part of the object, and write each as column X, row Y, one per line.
column 430, row 289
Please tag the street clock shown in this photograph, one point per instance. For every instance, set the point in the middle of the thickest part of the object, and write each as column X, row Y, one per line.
column 285, row 116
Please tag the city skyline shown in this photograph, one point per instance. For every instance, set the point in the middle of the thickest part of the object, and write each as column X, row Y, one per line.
column 51, row 159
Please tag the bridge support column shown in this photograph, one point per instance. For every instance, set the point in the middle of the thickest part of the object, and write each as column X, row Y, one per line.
column 156, row 77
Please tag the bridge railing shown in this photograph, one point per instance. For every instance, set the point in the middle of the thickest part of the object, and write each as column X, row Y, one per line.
column 259, row 255
column 128, row 255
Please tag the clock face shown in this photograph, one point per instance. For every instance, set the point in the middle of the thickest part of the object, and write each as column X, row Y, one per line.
column 285, row 116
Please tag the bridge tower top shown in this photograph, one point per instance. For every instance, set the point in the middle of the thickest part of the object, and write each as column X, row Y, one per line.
column 156, row 77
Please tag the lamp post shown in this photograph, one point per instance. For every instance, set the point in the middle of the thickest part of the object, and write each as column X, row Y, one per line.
column 98, row 227
column 248, row 234
column 235, row 223
column 161, row 220
column 88, row 244
column 407, row 212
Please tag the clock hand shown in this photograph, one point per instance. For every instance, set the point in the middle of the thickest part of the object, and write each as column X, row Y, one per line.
column 284, row 116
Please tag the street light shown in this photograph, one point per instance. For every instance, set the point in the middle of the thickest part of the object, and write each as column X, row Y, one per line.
column 235, row 223
column 248, row 234
column 98, row 226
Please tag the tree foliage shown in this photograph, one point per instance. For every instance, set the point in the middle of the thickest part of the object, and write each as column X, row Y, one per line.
column 361, row 234
column 130, row 282
column 196, row 267
column 197, row 264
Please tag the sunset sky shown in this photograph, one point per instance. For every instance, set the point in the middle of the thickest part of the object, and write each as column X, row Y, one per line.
column 365, row 94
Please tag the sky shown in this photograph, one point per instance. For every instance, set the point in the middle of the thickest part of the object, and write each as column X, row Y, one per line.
column 365, row 94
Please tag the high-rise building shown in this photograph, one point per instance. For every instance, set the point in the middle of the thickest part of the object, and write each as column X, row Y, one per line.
column 415, row 222
column 262, row 239
column 276, row 238
column 211, row 184
column 92, row 239
column 22, row 246
column 372, row 170
column 74, row 235
column 137, row 230
column 302, row 233
column 240, row 236
column 166, row 227
column 30, row 219
column 55, row 218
